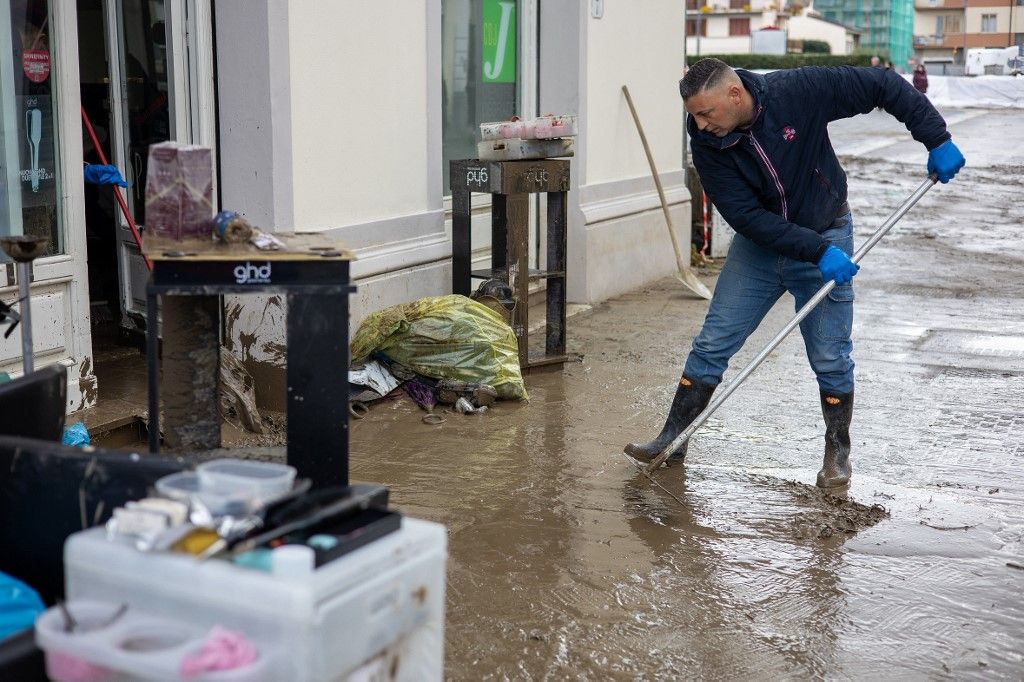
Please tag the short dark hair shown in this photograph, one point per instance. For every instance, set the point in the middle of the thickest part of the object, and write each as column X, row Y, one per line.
column 704, row 75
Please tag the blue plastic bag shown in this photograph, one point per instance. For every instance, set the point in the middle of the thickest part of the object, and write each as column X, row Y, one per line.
column 76, row 435
column 19, row 606
column 98, row 174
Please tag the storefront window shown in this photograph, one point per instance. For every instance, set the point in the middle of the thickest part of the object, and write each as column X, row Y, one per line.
column 29, row 183
column 480, row 71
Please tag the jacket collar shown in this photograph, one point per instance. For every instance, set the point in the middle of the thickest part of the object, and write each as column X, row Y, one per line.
column 757, row 86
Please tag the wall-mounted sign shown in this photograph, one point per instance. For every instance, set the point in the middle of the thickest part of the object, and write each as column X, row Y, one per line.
column 498, row 41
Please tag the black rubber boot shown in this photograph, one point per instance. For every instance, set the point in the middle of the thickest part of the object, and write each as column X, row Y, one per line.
column 691, row 398
column 838, row 411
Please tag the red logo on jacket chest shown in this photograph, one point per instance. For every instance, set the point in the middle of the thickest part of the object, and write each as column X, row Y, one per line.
column 789, row 133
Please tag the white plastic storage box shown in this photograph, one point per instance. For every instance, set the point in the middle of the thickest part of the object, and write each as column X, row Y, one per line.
column 377, row 609
column 107, row 644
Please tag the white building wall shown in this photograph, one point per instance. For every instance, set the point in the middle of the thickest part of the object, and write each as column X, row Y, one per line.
column 627, row 243
column 720, row 45
column 613, row 146
column 359, row 99
column 330, row 120
column 974, row 15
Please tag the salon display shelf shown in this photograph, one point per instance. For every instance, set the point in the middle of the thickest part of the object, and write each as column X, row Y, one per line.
column 510, row 184
column 310, row 271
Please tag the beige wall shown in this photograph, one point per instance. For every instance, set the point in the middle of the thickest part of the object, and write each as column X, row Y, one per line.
column 974, row 15
column 924, row 22
column 359, row 97
column 644, row 51
column 618, row 239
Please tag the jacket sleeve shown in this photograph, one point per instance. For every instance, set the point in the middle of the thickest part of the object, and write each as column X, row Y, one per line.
column 739, row 206
column 846, row 91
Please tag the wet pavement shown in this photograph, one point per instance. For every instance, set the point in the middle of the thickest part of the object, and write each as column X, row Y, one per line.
column 566, row 564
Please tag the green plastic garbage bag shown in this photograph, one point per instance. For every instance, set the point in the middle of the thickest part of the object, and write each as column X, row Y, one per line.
column 445, row 337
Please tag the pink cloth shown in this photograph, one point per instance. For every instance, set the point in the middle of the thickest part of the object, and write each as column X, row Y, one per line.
column 222, row 650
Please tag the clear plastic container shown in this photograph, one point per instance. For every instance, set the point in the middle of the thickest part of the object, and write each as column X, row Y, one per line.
column 180, row 486
column 184, row 486
column 265, row 480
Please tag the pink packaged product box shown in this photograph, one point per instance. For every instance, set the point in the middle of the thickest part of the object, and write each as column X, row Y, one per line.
column 179, row 190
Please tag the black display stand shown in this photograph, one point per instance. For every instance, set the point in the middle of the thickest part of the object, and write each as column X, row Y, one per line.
column 510, row 183
column 189, row 277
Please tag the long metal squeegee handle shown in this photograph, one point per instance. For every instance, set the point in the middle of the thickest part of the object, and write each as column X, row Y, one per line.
column 803, row 312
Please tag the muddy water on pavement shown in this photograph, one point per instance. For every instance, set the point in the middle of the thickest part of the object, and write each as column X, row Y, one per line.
column 565, row 563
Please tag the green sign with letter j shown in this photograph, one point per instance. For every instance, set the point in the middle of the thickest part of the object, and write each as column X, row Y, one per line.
column 498, row 38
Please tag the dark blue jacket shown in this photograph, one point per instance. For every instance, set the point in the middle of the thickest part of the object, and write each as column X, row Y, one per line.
column 779, row 182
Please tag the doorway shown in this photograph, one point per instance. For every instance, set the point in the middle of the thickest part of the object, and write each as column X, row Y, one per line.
column 145, row 76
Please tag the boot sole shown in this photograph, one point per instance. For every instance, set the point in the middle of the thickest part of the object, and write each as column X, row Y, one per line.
column 644, row 458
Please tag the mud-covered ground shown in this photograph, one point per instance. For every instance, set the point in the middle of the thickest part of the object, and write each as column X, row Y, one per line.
column 566, row 564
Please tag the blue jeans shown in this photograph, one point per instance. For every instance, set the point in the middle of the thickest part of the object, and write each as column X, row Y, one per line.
column 752, row 280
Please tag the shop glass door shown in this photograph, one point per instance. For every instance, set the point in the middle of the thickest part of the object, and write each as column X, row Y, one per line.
column 152, row 50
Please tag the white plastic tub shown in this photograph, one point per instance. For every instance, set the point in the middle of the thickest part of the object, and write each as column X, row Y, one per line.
column 384, row 599
column 135, row 646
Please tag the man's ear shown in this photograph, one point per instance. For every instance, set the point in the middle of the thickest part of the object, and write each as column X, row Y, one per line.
column 735, row 93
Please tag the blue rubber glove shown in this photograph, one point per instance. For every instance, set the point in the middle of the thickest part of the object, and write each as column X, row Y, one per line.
column 97, row 174
column 945, row 161
column 835, row 264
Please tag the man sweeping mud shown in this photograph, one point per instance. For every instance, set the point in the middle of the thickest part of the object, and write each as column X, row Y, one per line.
column 760, row 144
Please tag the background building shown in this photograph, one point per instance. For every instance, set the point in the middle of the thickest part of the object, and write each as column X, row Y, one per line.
column 813, row 25
column 725, row 26
column 944, row 29
column 887, row 25
column 728, row 26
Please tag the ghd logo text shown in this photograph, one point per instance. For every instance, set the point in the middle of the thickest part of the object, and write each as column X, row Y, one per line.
column 252, row 274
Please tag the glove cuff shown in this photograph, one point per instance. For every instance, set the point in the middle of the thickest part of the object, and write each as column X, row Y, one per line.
column 828, row 249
